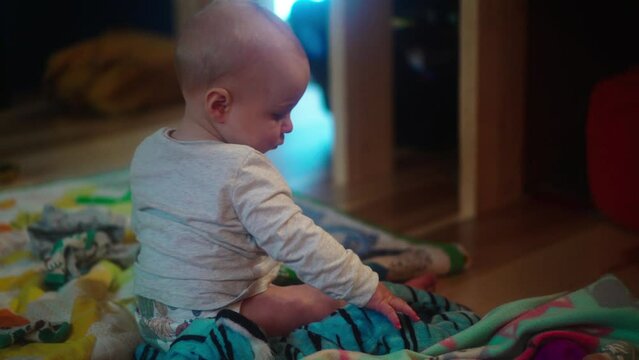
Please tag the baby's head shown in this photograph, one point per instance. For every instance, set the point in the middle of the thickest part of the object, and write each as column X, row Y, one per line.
column 241, row 71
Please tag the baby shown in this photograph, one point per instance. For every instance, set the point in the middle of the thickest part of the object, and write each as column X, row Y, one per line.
column 212, row 214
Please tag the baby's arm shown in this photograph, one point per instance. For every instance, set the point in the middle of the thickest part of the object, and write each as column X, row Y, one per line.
column 264, row 204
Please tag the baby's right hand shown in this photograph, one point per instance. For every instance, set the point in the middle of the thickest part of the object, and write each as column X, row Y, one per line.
column 388, row 304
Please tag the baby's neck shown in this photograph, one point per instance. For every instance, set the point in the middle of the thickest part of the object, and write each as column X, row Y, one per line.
column 192, row 130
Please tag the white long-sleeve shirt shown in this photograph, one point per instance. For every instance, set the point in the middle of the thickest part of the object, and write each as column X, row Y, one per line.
column 215, row 220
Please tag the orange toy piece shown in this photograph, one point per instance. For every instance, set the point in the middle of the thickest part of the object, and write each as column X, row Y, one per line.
column 8, row 319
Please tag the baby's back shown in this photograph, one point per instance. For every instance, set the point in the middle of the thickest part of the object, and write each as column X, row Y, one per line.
column 193, row 246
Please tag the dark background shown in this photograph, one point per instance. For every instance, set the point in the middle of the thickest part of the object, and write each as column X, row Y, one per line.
column 32, row 30
column 572, row 45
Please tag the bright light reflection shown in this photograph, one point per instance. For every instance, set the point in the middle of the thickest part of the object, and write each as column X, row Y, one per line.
column 282, row 8
column 306, row 152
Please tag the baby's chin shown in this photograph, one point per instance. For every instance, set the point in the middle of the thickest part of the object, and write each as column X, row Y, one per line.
column 281, row 141
column 274, row 146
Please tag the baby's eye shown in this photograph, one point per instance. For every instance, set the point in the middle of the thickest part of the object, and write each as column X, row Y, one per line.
column 278, row 116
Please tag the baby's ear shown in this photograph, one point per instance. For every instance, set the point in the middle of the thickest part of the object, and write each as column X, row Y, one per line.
column 218, row 103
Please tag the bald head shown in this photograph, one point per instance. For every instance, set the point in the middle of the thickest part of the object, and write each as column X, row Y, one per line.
column 226, row 37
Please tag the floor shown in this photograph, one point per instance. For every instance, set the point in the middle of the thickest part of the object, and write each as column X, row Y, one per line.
column 528, row 249
column 533, row 248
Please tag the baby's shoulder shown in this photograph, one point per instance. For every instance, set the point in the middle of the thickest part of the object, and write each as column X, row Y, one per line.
column 236, row 152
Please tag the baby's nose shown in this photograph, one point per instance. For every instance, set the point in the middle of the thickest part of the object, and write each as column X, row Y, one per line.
column 287, row 125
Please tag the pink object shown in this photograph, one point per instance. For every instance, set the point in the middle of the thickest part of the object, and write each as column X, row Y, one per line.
column 613, row 147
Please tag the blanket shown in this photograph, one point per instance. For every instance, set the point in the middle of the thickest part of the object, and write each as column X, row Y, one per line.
column 351, row 328
column 66, row 249
column 600, row 321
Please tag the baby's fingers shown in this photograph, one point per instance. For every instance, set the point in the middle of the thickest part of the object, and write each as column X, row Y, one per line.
column 388, row 305
column 390, row 313
column 401, row 306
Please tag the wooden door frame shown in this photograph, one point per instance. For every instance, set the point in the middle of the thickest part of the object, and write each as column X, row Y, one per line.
column 492, row 79
column 491, row 97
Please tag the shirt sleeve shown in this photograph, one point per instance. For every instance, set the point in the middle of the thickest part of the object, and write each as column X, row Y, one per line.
column 264, row 204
